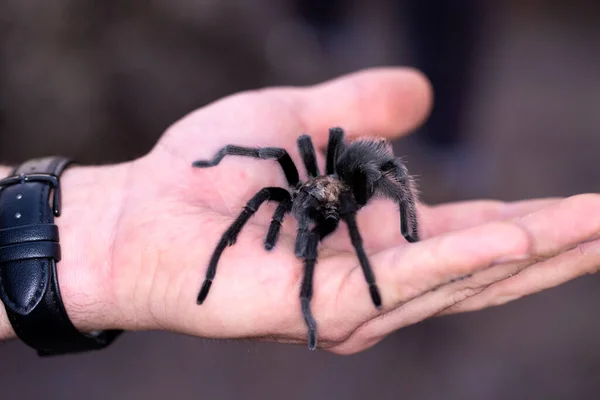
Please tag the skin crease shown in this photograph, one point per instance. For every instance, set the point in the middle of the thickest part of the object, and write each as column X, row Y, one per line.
column 136, row 237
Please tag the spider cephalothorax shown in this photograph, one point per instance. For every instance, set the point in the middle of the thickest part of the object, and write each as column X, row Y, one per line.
column 355, row 173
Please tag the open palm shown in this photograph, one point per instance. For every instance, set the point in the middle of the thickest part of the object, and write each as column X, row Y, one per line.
column 468, row 256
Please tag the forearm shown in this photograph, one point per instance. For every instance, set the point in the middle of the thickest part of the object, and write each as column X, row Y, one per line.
column 92, row 198
column 6, row 331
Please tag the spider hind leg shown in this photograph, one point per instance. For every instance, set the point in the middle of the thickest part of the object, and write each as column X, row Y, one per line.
column 306, row 291
column 318, row 233
column 262, row 153
column 356, row 239
column 282, row 209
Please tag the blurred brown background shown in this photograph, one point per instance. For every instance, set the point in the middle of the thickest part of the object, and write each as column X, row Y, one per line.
column 517, row 115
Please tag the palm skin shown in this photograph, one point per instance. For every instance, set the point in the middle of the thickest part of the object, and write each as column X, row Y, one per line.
column 173, row 215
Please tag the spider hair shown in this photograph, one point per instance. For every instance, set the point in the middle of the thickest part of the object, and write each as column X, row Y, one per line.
column 355, row 173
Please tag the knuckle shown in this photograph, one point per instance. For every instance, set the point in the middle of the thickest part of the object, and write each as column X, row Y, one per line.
column 464, row 293
column 334, row 336
column 583, row 249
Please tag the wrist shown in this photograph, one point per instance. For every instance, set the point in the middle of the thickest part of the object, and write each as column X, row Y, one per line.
column 92, row 201
column 91, row 204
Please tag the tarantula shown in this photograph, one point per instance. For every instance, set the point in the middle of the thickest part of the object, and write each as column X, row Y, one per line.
column 355, row 173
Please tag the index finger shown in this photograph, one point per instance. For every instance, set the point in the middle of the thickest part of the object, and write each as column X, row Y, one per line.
column 406, row 272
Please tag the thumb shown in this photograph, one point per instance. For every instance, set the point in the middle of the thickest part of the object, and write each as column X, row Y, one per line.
column 385, row 102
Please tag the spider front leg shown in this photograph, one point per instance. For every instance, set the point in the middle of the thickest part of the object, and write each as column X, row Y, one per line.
column 307, row 152
column 230, row 235
column 334, row 147
column 400, row 187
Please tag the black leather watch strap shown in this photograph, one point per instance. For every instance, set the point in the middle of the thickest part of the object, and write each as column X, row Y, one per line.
column 29, row 253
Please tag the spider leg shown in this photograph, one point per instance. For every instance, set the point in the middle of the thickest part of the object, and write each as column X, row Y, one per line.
column 400, row 187
column 282, row 209
column 306, row 291
column 356, row 239
column 307, row 152
column 230, row 235
column 334, row 147
column 302, row 236
column 263, row 153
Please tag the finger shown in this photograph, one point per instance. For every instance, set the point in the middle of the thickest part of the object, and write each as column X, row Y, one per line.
column 456, row 216
column 380, row 222
column 378, row 102
column 406, row 272
column 584, row 259
column 382, row 102
column 559, row 227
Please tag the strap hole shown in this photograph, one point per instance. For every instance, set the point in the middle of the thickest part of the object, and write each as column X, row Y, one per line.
column 18, row 215
column 19, row 196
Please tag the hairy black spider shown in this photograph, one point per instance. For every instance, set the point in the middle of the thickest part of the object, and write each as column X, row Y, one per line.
column 355, row 173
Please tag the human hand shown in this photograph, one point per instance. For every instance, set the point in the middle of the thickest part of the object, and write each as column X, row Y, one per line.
column 158, row 220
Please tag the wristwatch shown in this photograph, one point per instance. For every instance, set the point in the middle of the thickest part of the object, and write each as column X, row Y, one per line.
column 29, row 255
